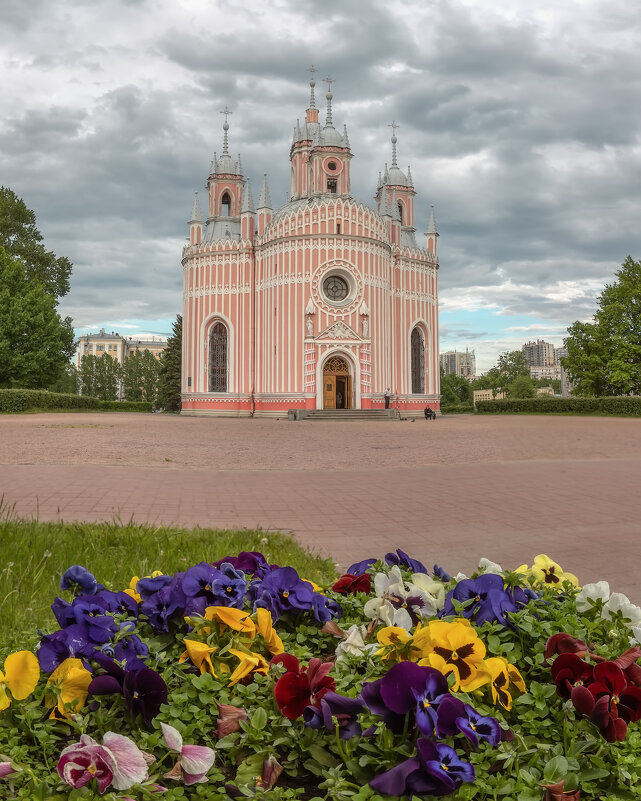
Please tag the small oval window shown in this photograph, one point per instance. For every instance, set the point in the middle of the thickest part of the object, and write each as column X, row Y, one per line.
column 331, row 166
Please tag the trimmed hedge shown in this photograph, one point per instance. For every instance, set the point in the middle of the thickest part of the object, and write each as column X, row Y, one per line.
column 460, row 408
column 23, row 400
column 125, row 406
column 629, row 406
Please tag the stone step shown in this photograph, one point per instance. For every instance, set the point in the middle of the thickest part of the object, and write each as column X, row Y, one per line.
column 349, row 415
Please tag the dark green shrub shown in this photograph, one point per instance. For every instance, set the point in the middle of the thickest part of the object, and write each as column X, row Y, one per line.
column 23, row 400
column 459, row 408
column 544, row 404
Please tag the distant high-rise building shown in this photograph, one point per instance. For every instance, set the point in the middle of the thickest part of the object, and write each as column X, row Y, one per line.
column 539, row 353
column 462, row 364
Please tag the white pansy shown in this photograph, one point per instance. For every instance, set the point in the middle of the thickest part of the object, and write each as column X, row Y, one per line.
column 433, row 592
column 387, row 613
column 598, row 591
column 354, row 643
column 488, row 566
column 459, row 577
column 618, row 602
column 635, row 639
column 389, row 583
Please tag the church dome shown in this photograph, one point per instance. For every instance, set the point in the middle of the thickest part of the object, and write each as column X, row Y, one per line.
column 330, row 136
column 396, row 177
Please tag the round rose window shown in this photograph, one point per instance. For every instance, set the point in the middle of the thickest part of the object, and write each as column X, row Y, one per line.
column 335, row 288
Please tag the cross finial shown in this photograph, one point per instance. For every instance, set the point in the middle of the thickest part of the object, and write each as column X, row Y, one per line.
column 394, row 125
column 329, row 81
column 226, row 112
column 312, row 69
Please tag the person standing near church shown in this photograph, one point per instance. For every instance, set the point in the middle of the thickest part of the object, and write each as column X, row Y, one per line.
column 387, row 395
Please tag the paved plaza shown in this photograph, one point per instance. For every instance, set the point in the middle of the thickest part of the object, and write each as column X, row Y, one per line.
column 448, row 491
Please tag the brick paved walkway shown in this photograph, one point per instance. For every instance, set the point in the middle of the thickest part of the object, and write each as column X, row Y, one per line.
column 447, row 492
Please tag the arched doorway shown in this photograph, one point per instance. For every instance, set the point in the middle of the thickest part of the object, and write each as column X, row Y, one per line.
column 337, row 384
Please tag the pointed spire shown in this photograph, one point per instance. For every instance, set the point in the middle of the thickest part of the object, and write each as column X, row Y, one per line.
column 214, row 164
column 386, row 210
column 394, row 125
column 410, row 180
column 264, row 201
column 380, row 181
column 431, row 225
column 328, row 121
column 312, row 84
column 248, row 200
column 239, row 166
column 386, row 174
column 196, row 214
column 345, row 136
column 226, row 112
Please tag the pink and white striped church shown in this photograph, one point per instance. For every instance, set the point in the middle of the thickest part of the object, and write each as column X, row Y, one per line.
column 321, row 303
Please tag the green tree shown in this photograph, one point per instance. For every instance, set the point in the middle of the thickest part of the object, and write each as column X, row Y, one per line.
column 36, row 344
column 67, row 381
column 140, row 373
column 510, row 365
column 455, row 390
column 100, row 376
column 604, row 356
column 521, row 387
column 21, row 239
column 171, row 369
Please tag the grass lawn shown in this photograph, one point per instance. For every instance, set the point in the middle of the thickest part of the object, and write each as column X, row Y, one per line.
column 34, row 555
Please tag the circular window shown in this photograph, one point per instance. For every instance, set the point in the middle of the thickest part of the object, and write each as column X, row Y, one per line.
column 335, row 288
column 331, row 165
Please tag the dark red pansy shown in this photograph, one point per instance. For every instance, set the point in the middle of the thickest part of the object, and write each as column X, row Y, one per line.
column 568, row 671
column 349, row 584
column 301, row 687
column 563, row 643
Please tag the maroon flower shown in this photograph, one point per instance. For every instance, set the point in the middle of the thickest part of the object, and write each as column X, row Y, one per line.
column 563, row 643
column 569, row 671
column 609, row 701
column 299, row 686
column 349, row 584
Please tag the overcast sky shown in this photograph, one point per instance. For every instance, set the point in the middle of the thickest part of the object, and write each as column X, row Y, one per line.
column 521, row 122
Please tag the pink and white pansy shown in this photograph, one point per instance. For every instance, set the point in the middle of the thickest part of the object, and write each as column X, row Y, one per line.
column 194, row 761
column 398, row 604
column 117, row 763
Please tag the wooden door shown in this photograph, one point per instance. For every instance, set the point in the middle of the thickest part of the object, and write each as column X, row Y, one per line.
column 329, row 391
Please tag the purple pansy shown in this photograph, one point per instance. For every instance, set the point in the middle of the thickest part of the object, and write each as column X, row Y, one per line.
column 454, row 716
column 150, row 585
column 73, row 641
column 428, row 701
column 166, row 603
column 80, row 581
column 401, row 559
column 283, row 590
column 252, row 562
column 205, row 585
column 436, row 770
column 395, row 694
column 484, row 599
column 338, row 708
column 358, row 568
column 144, row 690
column 441, row 574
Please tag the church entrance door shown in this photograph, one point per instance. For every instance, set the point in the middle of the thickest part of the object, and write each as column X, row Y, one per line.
column 337, row 384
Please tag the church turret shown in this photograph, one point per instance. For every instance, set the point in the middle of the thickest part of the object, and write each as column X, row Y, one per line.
column 264, row 207
column 196, row 223
column 431, row 234
column 225, row 182
column 247, row 214
column 402, row 187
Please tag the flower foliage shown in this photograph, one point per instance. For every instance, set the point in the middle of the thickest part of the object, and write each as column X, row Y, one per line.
column 239, row 678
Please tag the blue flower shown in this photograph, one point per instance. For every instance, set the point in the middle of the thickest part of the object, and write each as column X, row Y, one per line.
column 441, row 574
column 73, row 641
column 205, row 585
column 454, row 716
column 282, row 590
column 484, row 599
column 79, row 580
column 401, row 559
column 339, row 708
column 164, row 605
column 358, row 568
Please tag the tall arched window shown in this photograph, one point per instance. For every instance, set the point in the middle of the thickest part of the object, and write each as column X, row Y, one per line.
column 400, row 211
column 225, row 205
column 418, row 362
column 218, row 359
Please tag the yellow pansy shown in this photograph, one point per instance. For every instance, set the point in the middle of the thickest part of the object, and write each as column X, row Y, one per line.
column 455, row 647
column 72, row 679
column 231, row 617
column 249, row 662
column 503, row 678
column 314, row 585
column 548, row 573
column 200, row 655
column 393, row 639
column 265, row 627
column 21, row 674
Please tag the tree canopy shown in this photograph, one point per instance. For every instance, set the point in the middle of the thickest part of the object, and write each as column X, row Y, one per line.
column 100, row 376
column 170, row 370
column 36, row 344
column 604, row 356
column 21, row 239
column 140, row 376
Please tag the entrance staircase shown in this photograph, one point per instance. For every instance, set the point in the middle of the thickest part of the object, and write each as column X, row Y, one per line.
column 351, row 415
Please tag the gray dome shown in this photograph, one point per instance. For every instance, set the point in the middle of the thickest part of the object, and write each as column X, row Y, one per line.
column 396, row 177
column 226, row 164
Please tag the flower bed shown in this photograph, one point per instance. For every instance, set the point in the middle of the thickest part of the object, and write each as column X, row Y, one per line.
column 240, row 679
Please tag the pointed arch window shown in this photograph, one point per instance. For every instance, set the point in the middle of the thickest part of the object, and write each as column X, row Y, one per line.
column 400, row 212
column 225, row 205
column 417, row 346
column 218, row 358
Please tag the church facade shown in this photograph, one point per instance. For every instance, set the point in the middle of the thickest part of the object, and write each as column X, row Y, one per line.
column 321, row 303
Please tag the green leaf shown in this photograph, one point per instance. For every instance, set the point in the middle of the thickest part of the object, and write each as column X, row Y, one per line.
column 555, row 770
column 259, row 719
column 322, row 756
